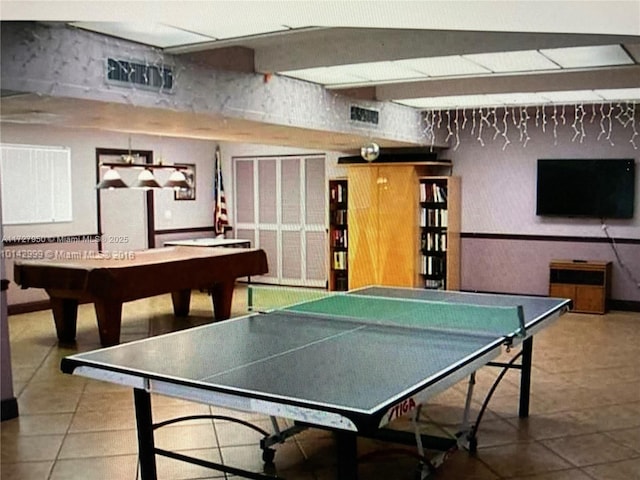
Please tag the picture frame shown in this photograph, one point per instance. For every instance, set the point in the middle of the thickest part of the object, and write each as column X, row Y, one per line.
column 190, row 174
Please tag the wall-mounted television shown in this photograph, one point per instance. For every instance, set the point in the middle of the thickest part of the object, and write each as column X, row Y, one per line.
column 598, row 188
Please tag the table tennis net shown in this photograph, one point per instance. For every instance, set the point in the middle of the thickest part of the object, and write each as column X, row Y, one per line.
column 393, row 312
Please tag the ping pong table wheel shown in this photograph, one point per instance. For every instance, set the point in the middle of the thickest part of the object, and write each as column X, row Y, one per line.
column 268, row 454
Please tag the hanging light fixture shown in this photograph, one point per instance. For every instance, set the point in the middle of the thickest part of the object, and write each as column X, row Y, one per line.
column 111, row 180
column 177, row 180
column 146, row 180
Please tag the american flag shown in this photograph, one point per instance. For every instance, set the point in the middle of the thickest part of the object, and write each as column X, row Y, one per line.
column 220, row 218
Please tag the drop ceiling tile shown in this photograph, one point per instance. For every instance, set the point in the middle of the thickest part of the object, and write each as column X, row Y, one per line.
column 571, row 96
column 583, row 57
column 381, row 71
column 325, row 76
column 624, row 94
column 521, row 61
column 157, row 35
column 518, row 98
column 444, row 66
column 450, row 101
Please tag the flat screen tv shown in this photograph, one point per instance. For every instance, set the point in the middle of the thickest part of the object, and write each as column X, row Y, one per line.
column 598, row 188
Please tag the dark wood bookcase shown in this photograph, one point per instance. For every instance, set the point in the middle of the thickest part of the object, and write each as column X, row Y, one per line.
column 439, row 233
column 338, row 235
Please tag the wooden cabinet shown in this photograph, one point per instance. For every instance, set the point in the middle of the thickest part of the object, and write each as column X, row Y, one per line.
column 338, row 235
column 387, row 244
column 383, row 238
column 586, row 283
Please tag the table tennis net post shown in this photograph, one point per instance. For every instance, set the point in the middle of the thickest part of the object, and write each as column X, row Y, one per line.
column 393, row 312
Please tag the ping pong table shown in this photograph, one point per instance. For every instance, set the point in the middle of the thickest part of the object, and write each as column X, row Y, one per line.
column 350, row 362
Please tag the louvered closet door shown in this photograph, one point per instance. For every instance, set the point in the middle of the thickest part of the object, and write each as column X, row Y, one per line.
column 280, row 205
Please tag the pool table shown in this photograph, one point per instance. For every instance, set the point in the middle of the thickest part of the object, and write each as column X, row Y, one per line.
column 109, row 280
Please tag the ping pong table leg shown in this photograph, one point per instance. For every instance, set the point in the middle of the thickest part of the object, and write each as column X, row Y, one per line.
column 347, row 453
column 525, row 377
column 146, row 445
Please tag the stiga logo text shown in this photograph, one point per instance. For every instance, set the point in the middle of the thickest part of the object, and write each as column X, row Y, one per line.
column 401, row 408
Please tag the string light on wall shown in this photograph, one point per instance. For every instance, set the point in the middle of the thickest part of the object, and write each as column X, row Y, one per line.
column 444, row 125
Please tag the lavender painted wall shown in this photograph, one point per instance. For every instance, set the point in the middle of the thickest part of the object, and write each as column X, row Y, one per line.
column 499, row 195
column 522, row 266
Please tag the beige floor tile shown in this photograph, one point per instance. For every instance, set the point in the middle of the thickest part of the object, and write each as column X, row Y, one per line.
column 102, row 468
column 186, row 437
column 46, row 424
column 625, row 470
column 246, row 457
column 629, row 437
column 500, row 432
column 605, row 376
column 170, row 469
column 554, row 425
column 99, row 444
column 521, row 459
column 232, row 434
column 398, row 467
column 39, row 397
column 567, row 399
column 461, row 465
column 623, row 392
column 26, row 470
column 317, row 451
column 589, row 449
column 28, row 448
column 610, row 417
column 573, row 474
column 106, row 401
column 100, row 420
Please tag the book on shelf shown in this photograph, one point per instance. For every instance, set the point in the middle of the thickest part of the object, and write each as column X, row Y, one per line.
column 433, row 217
column 338, row 193
column 432, row 266
column 434, row 284
column 339, row 260
column 340, row 217
column 340, row 239
column 432, row 193
column 433, row 242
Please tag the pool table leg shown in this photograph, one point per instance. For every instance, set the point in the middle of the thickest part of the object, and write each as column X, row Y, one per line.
column 181, row 302
column 222, row 298
column 65, row 315
column 109, row 316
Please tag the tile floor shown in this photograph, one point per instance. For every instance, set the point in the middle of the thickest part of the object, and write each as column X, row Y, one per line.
column 584, row 422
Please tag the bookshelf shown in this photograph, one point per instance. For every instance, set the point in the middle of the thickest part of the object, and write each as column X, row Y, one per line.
column 439, row 222
column 338, row 235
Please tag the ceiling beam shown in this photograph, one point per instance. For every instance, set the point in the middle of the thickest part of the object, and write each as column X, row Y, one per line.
column 343, row 46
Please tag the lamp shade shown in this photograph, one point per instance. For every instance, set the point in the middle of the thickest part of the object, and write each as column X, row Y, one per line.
column 147, row 180
column 177, row 180
column 111, row 179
